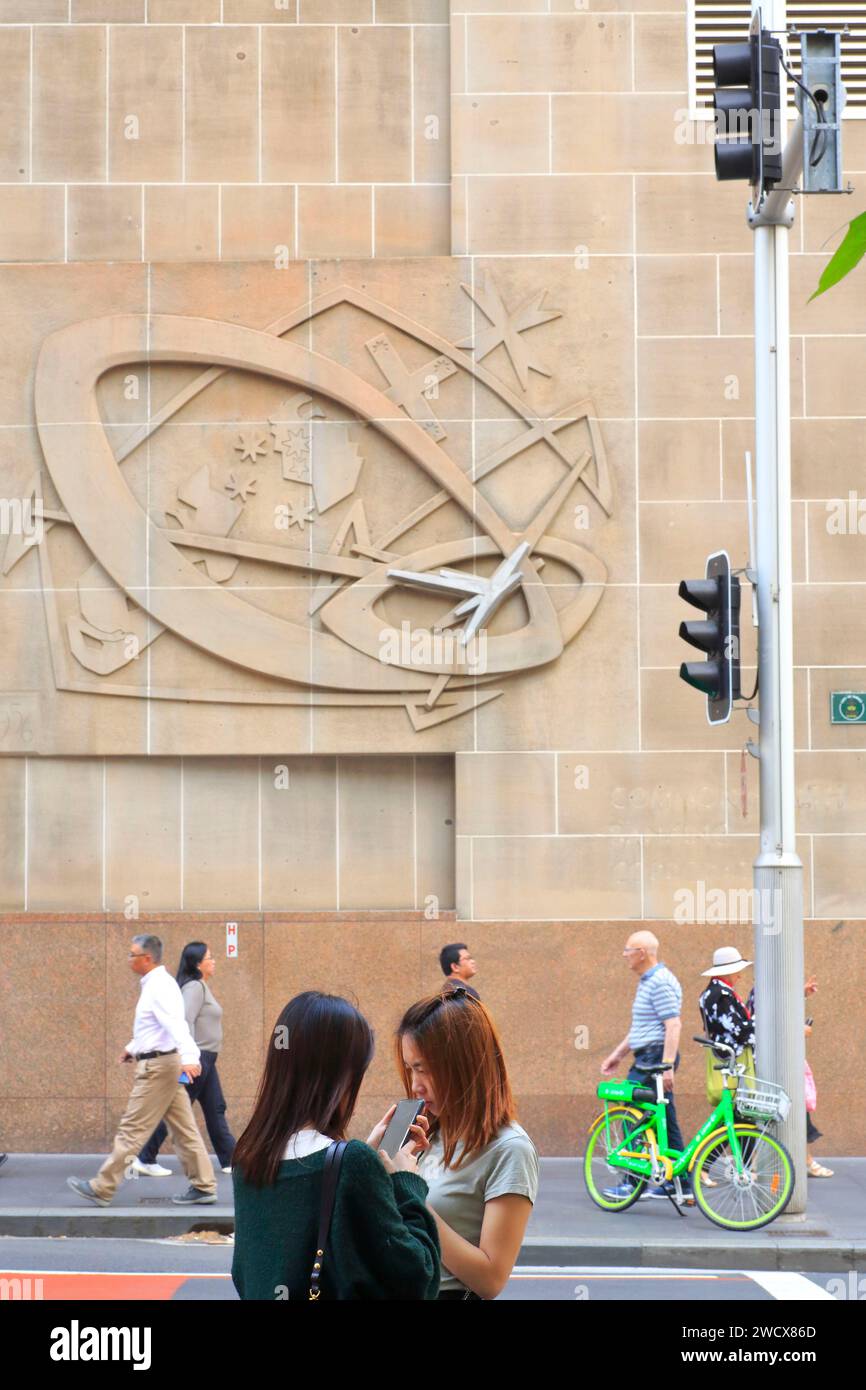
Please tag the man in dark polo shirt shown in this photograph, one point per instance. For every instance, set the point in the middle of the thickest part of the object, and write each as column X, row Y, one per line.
column 458, row 967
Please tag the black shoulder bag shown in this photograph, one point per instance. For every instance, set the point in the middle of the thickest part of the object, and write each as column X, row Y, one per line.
column 333, row 1159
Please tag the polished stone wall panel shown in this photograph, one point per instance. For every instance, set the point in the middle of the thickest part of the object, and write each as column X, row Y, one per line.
column 552, row 1051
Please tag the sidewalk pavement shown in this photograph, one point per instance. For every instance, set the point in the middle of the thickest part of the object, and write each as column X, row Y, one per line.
column 565, row 1227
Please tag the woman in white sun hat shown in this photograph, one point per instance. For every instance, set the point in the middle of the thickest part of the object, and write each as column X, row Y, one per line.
column 727, row 1018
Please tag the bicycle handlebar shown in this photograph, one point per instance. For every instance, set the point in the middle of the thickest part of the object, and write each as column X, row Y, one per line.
column 716, row 1046
column 732, row 1067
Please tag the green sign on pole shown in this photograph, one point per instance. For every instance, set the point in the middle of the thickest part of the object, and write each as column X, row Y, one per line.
column 847, row 707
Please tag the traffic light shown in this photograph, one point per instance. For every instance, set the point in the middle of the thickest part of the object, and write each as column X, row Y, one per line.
column 718, row 635
column 746, row 102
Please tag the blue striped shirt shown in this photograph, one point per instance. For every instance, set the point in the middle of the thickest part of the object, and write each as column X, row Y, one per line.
column 659, row 997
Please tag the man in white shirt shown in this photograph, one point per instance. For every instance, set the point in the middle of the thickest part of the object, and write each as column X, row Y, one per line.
column 162, row 1047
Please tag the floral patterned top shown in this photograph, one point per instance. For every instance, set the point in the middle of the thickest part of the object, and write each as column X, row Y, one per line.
column 726, row 1018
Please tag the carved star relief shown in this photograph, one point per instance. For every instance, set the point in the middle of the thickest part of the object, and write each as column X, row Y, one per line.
column 294, row 450
column 298, row 514
column 251, row 443
column 506, row 326
column 242, row 489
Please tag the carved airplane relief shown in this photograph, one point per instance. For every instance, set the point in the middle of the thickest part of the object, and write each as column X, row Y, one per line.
column 288, row 493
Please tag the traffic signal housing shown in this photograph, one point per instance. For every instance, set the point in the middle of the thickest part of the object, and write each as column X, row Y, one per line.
column 718, row 635
column 746, row 107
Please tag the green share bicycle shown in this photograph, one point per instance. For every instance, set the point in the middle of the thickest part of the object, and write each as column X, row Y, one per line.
column 742, row 1176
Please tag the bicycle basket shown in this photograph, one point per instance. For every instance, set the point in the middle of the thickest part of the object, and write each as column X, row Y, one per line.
column 761, row 1100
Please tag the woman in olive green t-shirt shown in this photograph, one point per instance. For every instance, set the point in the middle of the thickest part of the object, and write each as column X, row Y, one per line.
column 480, row 1165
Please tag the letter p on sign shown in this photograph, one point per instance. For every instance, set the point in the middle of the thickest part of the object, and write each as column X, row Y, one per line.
column 231, row 940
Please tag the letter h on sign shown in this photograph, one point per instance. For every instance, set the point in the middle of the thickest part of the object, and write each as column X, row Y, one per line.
column 232, row 940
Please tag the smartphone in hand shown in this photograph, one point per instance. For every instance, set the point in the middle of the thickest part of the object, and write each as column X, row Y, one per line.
column 397, row 1133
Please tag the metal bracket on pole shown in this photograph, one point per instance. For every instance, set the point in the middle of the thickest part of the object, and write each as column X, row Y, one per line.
column 783, row 218
column 776, row 209
column 821, row 62
column 753, row 714
column 752, row 749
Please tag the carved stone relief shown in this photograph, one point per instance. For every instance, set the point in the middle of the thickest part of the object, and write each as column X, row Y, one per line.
column 319, row 545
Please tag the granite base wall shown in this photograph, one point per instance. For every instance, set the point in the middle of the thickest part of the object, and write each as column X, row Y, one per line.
column 559, row 991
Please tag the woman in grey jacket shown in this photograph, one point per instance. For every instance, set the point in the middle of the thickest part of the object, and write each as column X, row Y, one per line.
column 204, row 1016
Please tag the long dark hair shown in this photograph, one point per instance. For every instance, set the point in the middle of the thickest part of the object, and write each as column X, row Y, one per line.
column 319, row 1049
column 191, row 958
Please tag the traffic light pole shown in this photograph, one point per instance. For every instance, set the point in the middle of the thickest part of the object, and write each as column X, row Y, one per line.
column 778, row 871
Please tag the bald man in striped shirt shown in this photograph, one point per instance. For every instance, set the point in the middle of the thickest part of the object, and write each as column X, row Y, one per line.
column 654, row 1036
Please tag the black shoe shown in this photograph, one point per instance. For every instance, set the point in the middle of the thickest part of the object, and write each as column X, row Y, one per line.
column 3, row 1158
column 194, row 1196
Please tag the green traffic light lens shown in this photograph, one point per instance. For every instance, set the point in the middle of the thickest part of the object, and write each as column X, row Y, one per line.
column 704, row 676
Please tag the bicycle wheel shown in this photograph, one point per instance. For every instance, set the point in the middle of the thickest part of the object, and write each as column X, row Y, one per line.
column 598, row 1174
column 743, row 1201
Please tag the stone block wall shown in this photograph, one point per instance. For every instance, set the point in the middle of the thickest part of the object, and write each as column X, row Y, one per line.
column 511, row 189
column 206, row 131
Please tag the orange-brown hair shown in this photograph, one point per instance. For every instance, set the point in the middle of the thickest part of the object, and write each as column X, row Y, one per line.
column 458, row 1041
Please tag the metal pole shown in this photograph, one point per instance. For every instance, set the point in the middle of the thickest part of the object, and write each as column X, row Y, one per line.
column 778, row 872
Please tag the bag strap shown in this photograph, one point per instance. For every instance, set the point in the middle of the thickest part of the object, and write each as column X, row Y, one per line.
column 330, row 1174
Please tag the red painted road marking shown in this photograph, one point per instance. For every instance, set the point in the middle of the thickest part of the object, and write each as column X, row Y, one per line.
column 57, row 1286
column 101, row 1286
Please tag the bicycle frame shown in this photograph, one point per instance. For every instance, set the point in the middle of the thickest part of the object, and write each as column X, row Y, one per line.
column 654, row 1125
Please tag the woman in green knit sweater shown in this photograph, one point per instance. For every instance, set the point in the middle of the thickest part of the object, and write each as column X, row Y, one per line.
column 383, row 1242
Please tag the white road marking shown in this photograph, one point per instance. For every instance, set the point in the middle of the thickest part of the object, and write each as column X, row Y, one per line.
column 783, row 1286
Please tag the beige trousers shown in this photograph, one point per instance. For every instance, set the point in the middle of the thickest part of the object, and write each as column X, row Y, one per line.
column 156, row 1095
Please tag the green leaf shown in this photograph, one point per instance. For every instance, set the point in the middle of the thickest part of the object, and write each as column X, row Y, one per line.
column 844, row 259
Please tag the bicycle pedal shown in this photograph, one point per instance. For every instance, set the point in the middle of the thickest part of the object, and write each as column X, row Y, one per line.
column 681, row 1199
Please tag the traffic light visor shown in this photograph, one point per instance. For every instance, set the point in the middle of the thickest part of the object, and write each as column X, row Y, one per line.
column 732, row 64
column 734, row 160
column 706, row 636
column 703, row 593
